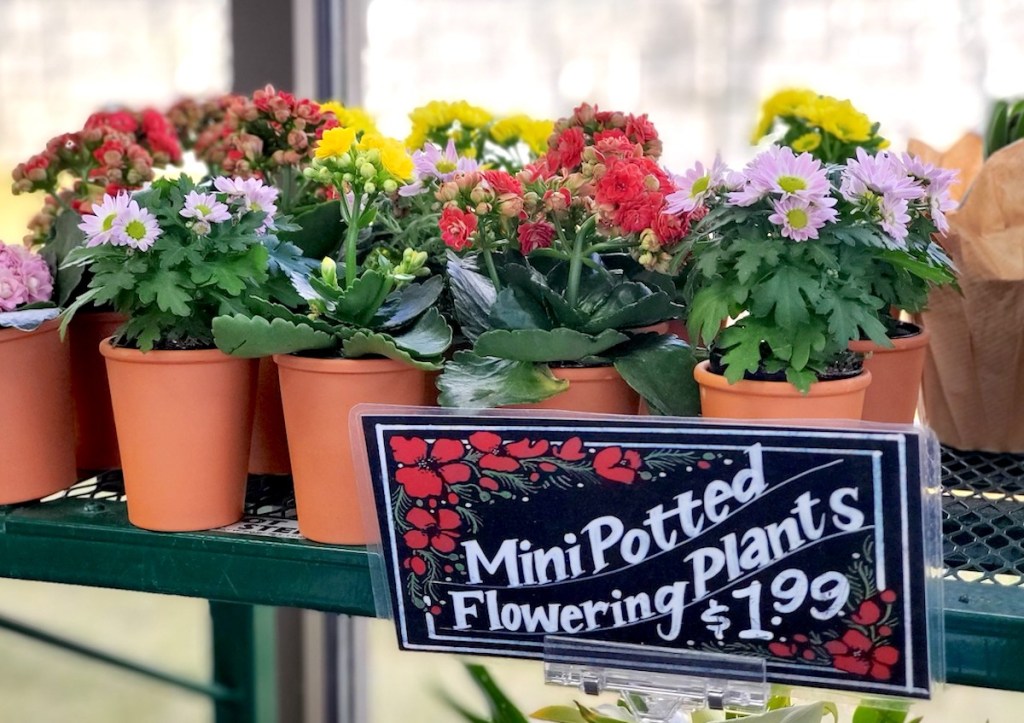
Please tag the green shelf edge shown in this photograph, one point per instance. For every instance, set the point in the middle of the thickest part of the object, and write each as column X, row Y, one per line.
column 90, row 542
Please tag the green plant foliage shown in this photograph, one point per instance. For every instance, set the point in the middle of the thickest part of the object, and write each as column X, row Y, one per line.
column 471, row 381
column 658, row 367
column 252, row 337
column 541, row 345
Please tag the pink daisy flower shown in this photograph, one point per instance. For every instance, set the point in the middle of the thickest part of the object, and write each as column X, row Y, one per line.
column 135, row 227
column 694, row 186
column 431, row 163
column 800, row 219
column 779, row 171
column 205, row 209
column 98, row 226
column 937, row 182
column 894, row 218
column 882, row 174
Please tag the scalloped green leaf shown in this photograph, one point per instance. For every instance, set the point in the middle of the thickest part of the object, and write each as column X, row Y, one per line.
column 271, row 310
column 532, row 283
column 541, row 345
column 471, row 381
column 360, row 301
column 253, row 337
column 516, row 308
column 473, row 296
column 364, row 343
column 631, row 306
column 430, row 336
column 660, row 369
column 321, row 230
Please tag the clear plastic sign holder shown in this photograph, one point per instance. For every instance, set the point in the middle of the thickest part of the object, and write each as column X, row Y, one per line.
column 657, row 683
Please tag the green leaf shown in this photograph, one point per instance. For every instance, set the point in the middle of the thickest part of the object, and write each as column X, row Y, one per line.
column 788, row 291
column 810, row 713
column 867, row 713
column 430, row 336
column 540, row 345
column 743, row 342
column 559, row 714
column 321, row 231
column 471, row 381
column 660, row 369
column 752, row 257
column 473, row 296
column 366, row 343
column 407, row 303
column 252, row 337
column 631, row 305
column 502, row 709
column 929, row 272
column 167, row 288
column 360, row 301
column 516, row 308
column 66, row 237
column 270, row 310
column 802, row 379
column 710, row 309
column 549, row 294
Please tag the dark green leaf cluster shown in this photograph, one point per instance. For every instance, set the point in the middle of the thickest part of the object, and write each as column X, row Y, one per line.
column 529, row 324
column 1005, row 125
column 369, row 318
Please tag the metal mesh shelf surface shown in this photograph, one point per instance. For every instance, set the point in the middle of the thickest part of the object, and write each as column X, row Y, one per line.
column 983, row 516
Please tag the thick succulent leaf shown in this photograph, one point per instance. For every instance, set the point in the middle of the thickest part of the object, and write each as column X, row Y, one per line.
column 550, row 294
column 27, row 319
column 631, row 305
column 67, row 236
column 253, row 337
column 430, row 336
column 321, row 230
column 473, row 295
column 360, row 301
column 364, row 343
column 516, row 308
column 287, row 259
column 407, row 303
column 660, row 369
column 539, row 345
column 270, row 310
column 471, row 381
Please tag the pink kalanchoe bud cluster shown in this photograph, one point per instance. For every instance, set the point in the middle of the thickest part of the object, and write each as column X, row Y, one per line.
column 261, row 134
column 24, row 277
column 197, row 121
column 588, row 126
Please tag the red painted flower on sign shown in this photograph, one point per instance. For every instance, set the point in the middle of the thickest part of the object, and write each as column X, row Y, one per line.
column 855, row 653
column 505, row 458
column 617, row 465
column 428, row 468
column 571, row 450
column 868, row 613
column 434, row 529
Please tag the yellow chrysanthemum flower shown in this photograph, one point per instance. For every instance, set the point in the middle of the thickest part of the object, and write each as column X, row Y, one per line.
column 785, row 102
column 335, row 142
column 470, row 116
column 536, row 135
column 508, row 130
column 353, row 117
column 807, row 142
column 846, row 123
column 393, row 156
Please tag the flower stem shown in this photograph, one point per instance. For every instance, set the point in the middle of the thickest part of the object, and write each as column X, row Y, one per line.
column 572, row 289
column 491, row 270
column 351, row 236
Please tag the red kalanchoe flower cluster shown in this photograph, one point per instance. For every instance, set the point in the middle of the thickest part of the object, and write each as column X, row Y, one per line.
column 588, row 126
column 149, row 128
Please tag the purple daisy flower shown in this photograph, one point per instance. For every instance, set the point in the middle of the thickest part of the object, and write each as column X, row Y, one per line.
column 694, row 186
column 98, row 226
column 430, row 163
column 778, row 171
column 937, row 182
column 135, row 227
column 800, row 219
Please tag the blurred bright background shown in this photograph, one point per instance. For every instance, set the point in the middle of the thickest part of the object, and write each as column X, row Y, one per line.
column 699, row 68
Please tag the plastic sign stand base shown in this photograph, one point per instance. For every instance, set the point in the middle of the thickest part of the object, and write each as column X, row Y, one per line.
column 656, row 683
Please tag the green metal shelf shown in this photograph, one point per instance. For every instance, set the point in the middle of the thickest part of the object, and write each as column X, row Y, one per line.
column 83, row 537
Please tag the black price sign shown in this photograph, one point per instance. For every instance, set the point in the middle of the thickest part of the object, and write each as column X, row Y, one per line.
column 798, row 545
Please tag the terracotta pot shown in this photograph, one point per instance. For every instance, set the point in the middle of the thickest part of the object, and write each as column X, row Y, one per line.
column 591, row 389
column 37, row 456
column 895, row 377
column 838, row 399
column 268, row 453
column 184, row 422
column 318, row 395
column 95, row 437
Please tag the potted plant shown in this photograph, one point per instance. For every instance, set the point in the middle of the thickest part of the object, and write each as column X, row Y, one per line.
column 36, row 431
column 782, row 256
column 171, row 258
column 270, row 136
column 913, row 196
column 369, row 334
column 116, row 150
column 563, row 283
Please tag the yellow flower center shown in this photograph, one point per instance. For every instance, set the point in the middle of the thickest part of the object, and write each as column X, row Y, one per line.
column 203, row 209
column 446, row 166
column 792, row 184
column 135, row 229
column 108, row 222
column 700, row 186
column 796, row 217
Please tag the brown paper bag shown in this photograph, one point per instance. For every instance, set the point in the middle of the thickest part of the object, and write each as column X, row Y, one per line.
column 973, row 386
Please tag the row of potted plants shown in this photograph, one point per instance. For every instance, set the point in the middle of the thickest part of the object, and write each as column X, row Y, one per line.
column 503, row 262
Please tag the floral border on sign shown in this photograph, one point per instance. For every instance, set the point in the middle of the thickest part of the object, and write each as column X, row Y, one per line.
column 440, row 483
column 864, row 645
